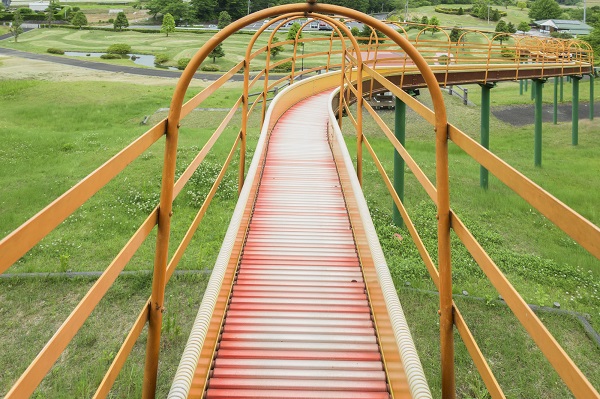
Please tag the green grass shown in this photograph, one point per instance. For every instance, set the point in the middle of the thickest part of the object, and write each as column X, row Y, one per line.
column 48, row 149
column 31, row 314
column 543, row 263
column 54, row 147
column 519, row 366
column 514, row 15
column 176, row 46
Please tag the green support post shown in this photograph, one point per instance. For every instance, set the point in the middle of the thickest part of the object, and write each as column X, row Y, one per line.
column 537, row 87
column 526, row 84
column 555, row 115
column 533, row 88
column 485, row 129
column 575, row 111
column 562, row 78
column 521, row 87
column 400, row 133
column 592, row 97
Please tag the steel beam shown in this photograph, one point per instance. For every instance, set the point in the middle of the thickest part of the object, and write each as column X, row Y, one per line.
column 400, row 133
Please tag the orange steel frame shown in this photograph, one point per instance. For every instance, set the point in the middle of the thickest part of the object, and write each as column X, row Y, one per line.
column 548, row 57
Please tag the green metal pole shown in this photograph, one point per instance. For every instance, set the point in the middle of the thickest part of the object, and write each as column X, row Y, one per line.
column 592, row 97
column 400, row 133
column 485, row 130
column 521, row 87
column 533, row 88
column 575, row 111
column 526, row 84
column 562, row 78
column 537, row 87
column 555, row 116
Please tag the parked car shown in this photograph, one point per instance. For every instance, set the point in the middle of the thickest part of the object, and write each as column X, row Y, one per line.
column 324, row 26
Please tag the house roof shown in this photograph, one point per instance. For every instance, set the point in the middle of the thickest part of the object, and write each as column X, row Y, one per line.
column 572, row 26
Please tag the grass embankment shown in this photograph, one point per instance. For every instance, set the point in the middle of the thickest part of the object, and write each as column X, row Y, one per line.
column 48, row 148
column 176, row 46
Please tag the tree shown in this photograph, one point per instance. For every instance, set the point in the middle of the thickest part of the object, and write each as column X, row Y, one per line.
column 501, row 27
column 455, row 34
column 594, row 39
column 180, row 10
column 425, row 20
column 511, row 28
column 521, row 5
column 461, row 11
column 435, row 22
column 224, row 19
column 544, row 9
column 275, row 49
column 204, row 9
column 15, row 28
column 168, row 25
column 355, row 31
column 121, row 21
column 155, row 7
column 218, row 52
column 53, row 7
column 523, row 26
column 291, row 35
column 79, row 19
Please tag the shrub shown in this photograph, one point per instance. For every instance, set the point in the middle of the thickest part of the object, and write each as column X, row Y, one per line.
column 110, row 56
column 210, row 68
column 119, row 48
column 110, row 21
column 53, row 50
column 507, row 53
column 285, row 67
column 161, row 58
column 182, row 63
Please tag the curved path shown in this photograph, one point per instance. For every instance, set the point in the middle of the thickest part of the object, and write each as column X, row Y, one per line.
column 100, row 66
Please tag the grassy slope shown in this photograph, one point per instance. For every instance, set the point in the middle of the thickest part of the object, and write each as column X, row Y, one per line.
column 117, row 109
column 176, row 46
column 515, row 15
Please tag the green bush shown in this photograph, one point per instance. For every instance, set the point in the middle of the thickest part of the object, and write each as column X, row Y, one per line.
column 182, row 63
column 53, row 50
column 119, row 48
column 507, row 53
column 111, row 56
column 210, row 68
column 161, row 58
column 285, row 67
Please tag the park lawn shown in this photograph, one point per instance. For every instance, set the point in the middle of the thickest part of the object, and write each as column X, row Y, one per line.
column 545, row 265
column 175, row 46
column 515, row 15
column 45, row 159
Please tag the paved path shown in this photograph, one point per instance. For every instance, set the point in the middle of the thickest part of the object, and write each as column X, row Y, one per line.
column 521, row 115
column 111, row 68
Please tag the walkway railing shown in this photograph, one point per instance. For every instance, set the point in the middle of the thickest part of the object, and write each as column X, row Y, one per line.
column 370, row 60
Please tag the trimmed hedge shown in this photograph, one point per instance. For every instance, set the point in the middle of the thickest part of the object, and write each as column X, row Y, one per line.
column 53, row 50
column 182, row 63
column 119, row 48
column 210, row 68
column 161, row 58
column 111, row 56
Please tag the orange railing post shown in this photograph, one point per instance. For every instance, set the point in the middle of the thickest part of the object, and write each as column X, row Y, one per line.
column 161, row 256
